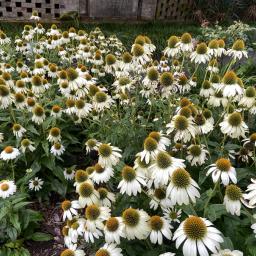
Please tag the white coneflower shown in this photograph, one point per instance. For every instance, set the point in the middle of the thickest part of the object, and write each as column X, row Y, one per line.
column 74, row 80
column 206, row 90
column 166, row 82
column 182, row 188
column 167, row 254
column 159, row 198
column 73, row 231
column 37, row 85
column 208, row 115
column 95, row 215
column 131, row 181
column 82, row 176
column 197, row 235
column 35, row 16
column 102, row 101
column 7, row 188
column 72, row 252
column 26, row 144
column 111, row 63
column 123, row 84
column 4, row 39
column 114, row 230
column 20, row 100
column 172, row 49
column 218, row 100
column 70, row 209
column 151, row 80
column 89, row 236
column 82, row 108
column 18, row 130
column 136, row 224
column 39, row 29
column 38, row 115
column 221, row 49
column 150, row 150
column 233, row 125
column 57, row 149
column 20, row 86
column 213, row 47
column 159, row 227
column 249, row 97
column 182, row 84
column 228, row 252
column 67, row 239
column 6, row 98
column 109, row 250
column 182, row 127
column 251, row 193
column 213, row 67
column 244, row 155
column 108, row 155
column 35, row 184
column 230, row 85
column 141, row 167
column 139, row 55
column 203, row 126
column 106, row 197
column 71, row 107
column 101, row 174
column 38, row 69
column 9, row 153
column 148, row 45
column 201, row 55
column 197, row 154
column 56, row 111
column 163, row 142
column 223, row 170
column 91, row 144
column 232, row 199
column 185, row 44
column 163, row 167
column 126, row 63
column 69, row 173
column 87, row 194
column 251, row 140
column 54, row 135
column 172, row 215
column 238, row 50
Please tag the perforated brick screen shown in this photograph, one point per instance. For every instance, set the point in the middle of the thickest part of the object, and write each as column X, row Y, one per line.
column 176, row 10
column 22, row 9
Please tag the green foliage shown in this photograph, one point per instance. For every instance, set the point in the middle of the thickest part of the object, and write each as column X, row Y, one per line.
column 18, row 223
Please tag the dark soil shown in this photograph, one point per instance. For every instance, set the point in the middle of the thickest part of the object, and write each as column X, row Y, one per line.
column 52, row 224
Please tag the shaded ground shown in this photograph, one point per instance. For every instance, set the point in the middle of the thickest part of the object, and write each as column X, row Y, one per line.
column 52, row 224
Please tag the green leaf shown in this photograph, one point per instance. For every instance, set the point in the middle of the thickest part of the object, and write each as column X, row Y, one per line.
column 32, row 129
column 45, row 146
column 59, row 187
column 12, row 233
column 14, row 219
column 215, row 211
column 20, row 205
column 3, row 212
column 227, row 244
column 39, row 236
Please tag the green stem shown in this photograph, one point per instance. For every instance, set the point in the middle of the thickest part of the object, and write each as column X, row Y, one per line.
column 211, row 195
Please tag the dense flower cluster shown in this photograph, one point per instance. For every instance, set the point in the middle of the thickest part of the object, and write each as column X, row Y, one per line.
column 198, row 157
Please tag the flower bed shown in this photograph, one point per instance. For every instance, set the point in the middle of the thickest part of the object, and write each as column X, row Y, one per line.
column 151, row 157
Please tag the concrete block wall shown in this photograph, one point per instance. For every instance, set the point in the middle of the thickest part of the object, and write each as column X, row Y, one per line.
column 96, row 9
